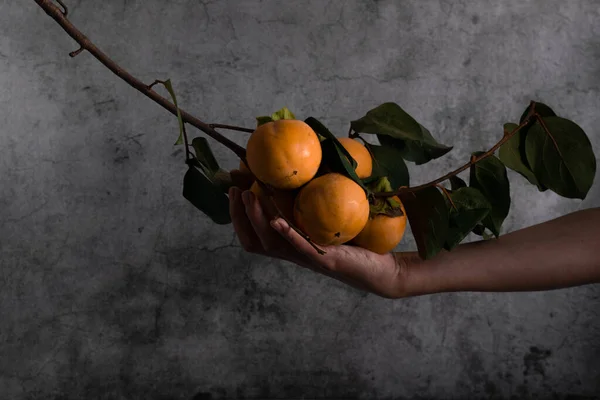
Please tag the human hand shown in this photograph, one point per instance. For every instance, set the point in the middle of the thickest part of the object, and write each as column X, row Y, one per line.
column 385, row 275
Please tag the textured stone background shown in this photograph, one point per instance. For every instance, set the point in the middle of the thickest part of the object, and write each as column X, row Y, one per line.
column 114, row 287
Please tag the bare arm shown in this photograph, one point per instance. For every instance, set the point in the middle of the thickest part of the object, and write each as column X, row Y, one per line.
column 555, row 254
column 559, row 253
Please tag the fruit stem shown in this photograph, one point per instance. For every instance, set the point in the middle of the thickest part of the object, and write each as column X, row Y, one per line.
column 60, row 16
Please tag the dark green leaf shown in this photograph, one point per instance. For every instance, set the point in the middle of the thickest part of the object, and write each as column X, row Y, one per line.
column 457, row 183
column 334, row 159
column 322, row 130
column 389, row 119
column 263, row 120
column 427, row 214
column 469, row 206
column 387, row 162
column 205, row 156
column 489, row 176
column 335, row 156
column 540, row 108
column 562, row 157
column 206, row 196
column 512, row 154
column 418, row 151
column 167, row 84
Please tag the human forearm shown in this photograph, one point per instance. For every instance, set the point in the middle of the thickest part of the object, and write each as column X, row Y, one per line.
column 559, row 253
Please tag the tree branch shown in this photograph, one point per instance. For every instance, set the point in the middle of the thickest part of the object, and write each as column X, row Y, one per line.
column 232, row 128
column 473, row 160
column 60, row 17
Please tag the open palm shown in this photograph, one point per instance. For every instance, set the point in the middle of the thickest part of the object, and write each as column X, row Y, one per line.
column 382, row 274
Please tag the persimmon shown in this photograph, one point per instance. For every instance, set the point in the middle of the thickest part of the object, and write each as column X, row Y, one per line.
column 331, row 209
column 358, row 151
column 382, row 233
column 285, row 154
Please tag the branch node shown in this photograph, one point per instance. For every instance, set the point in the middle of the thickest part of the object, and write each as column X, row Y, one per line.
column 447, row 194
column 156, row 82
column 76, row 52
column 65, row 10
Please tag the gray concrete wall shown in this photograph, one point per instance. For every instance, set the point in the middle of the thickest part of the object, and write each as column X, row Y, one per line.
column 113, row 286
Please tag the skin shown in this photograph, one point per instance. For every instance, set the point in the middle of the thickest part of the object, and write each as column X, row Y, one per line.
column 559, row 253
column 297, row 159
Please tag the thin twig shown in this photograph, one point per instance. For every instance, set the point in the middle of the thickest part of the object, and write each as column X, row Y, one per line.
column 76, row 52
column 65, row 10
column 232, row 128
column 473, row 160
column 59, row 16
column 270, row 194
column 445, row 191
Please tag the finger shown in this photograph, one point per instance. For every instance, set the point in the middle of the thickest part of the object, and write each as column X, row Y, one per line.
column 270, row 240
column 360, row 268
column 300, row 243
column 241, row 224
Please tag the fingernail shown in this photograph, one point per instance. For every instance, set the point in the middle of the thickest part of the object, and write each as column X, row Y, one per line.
column 276, row 224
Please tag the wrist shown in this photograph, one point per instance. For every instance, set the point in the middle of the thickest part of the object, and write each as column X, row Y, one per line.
column 411, row 275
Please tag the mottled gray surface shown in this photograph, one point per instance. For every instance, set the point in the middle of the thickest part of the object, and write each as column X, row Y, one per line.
column 114, row 287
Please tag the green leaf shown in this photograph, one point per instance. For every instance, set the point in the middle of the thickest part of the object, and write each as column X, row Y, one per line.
column 418, row 151
column 561, row 157
column 206, row 196
column 540, row 108
column 167, row 84
column 489, row 176
column 205, row 156
column 390, row 205
column 388, row 163
column 457, row 183
column 512, row 154
column 336, row 161
column 335, row 156
column 427, row 214
column 389, row 119
column 284, row 113
column 469, row 206
column 263, row 120
column 321, row 130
